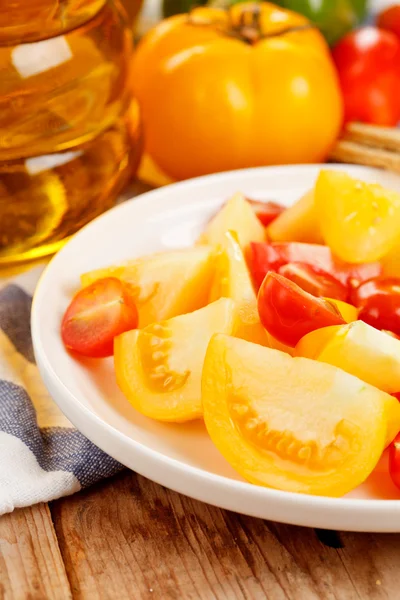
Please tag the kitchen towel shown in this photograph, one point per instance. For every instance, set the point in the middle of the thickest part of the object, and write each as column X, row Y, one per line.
column 42, row 456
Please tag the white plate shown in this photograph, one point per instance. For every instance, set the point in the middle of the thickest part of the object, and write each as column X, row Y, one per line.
column 182, row 457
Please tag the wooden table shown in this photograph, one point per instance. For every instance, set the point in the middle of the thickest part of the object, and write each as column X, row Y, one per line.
column 130, row 538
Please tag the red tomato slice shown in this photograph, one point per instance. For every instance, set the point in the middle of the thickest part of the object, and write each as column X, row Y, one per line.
column 266, row 212
column 96, row 315
column 394, row 460
column 266, row 257
column 315, row 281
column 288, row 313
column 379, row 303
column 396, row 395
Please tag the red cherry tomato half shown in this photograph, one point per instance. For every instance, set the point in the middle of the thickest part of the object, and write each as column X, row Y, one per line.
column 96, row 315
column 379, row 303
column 266, row 212
column 394, row 460
column 266, row 257
column 314, row 280
column 288, row 313
column 368, row 63
column 389, row 19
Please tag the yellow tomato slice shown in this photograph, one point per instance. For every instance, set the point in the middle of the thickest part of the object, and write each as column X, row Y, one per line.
column 232, row 280
column 348, row 311
column 298, row 223
column 291, row 423
column 359, row 349
column 159, row 368
column 359, row 221
column 236, row 215
column 166, row 284
column 276, row 345
column 363, row 351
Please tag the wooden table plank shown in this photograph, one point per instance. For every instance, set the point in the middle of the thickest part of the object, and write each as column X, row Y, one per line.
column 31, row 566
column 130, row 538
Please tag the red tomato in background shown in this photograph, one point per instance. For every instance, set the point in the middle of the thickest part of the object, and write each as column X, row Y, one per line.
column 96, row 315
column 315, row 281
column 288, row 313
column 266, row 257
column 394, row 460
column 266, row 212
column 389, row 19
column 368, row 62
column 379, row 303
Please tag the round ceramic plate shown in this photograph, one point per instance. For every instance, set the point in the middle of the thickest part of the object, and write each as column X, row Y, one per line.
column 182, row 457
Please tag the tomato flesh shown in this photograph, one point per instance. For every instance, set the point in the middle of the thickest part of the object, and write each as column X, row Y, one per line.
column 266, row 212
column 288, row 313
column 314, row 280
column 379, row 303
column 368, row 63
column 320, row 432
column 391, row 334
column 394, row 460
column 266, row 257
column 97, row 314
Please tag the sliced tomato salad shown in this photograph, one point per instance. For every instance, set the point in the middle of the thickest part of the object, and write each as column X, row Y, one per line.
column 290, row 354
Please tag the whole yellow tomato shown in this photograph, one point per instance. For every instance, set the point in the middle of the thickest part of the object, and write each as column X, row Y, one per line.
column 224, row 89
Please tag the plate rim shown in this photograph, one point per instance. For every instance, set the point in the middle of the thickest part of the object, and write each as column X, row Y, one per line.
column 340, row 510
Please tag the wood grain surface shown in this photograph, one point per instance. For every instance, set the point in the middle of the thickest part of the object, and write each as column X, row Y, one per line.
column 131, row 538
column 31, row 566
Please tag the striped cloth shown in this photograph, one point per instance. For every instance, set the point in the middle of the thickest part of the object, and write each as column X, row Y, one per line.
column 42, row 456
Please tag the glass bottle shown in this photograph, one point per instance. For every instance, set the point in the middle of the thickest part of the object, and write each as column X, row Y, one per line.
column 69, row 129
column 31, row 20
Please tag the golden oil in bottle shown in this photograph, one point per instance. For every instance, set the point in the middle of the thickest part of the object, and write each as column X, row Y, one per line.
column 44, row 199
column 30, row 20
column 69, row 130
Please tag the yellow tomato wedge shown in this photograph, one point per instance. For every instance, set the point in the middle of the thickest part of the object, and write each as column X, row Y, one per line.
column 232, row 280
column 359, row 349
column 158, row 368
column 363, row 351
column 298, row 223
column 360, row 222
column 236, row 215
column 166, row 284
column 291, row 423
column 348, row 311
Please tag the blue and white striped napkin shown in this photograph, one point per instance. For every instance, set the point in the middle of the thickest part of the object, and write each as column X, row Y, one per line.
column 42, row 456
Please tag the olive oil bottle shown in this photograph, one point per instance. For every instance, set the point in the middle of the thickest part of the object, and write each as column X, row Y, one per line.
column 69, row 127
